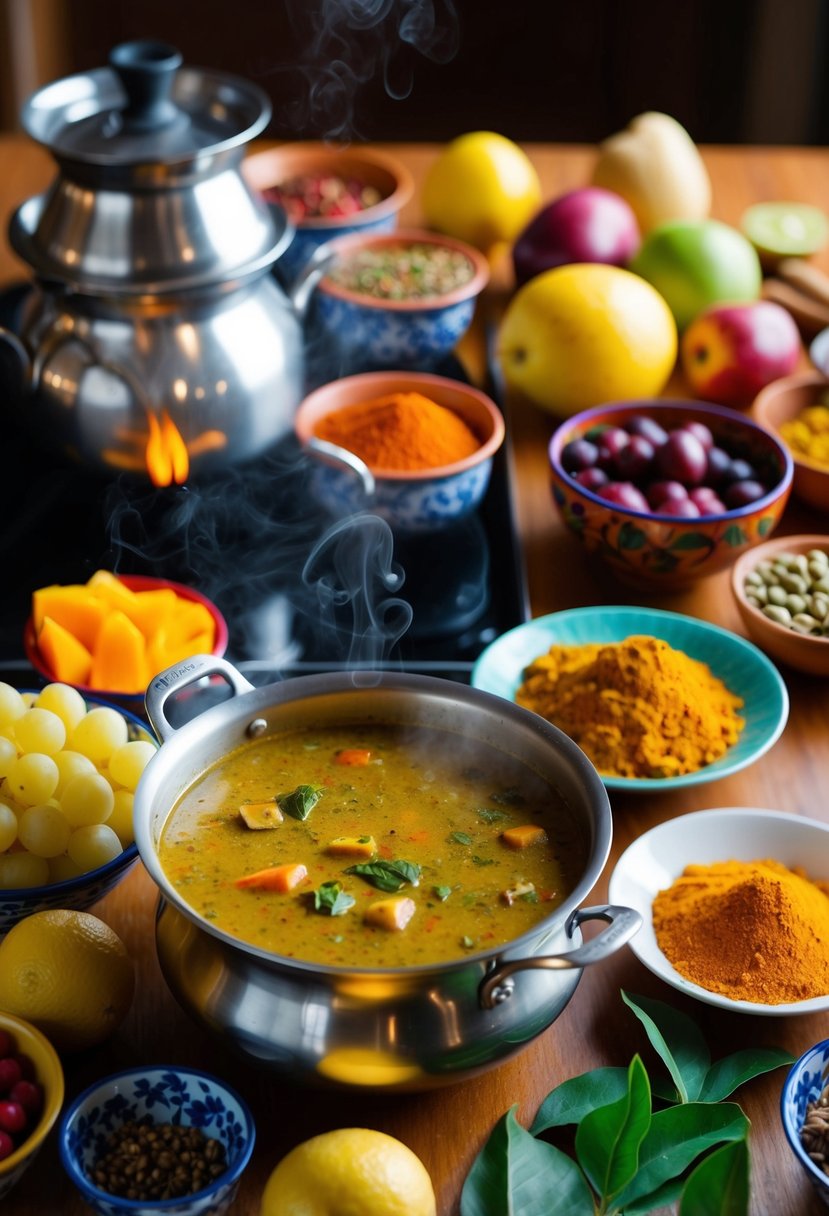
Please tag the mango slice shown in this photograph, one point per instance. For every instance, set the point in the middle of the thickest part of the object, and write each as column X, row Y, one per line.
column 120, row 658
column 73, row 608
column 68, row 658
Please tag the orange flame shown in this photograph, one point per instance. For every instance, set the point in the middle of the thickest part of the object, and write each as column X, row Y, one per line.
column 166, row 452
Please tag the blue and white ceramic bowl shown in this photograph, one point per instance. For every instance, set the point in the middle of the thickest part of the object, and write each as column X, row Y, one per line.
column 419, row 501
column 806, row 1080
column 159, row 1094
column 388, row 333
column 82, row 892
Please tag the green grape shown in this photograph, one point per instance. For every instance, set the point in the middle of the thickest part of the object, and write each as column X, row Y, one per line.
column 63, row 867
column 127, row 763
column 87, row 799
column 98, row 734
column 8, row 827
column 8, row 755
column 93, row 846
column 39, row 730
column 33, row 778
column 71, row 764
column 121, row 818
column 64, row 701
column 12, row 704
column 22, row 870
column 43, row 830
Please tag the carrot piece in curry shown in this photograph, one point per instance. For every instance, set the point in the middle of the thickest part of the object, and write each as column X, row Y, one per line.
column 394, row 913
column 357, row 756
column 260, row 815
column 352, row 846
column 276, row 878
column 522, row 837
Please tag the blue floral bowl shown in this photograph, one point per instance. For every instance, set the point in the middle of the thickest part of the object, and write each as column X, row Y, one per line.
column 373, row 331
column 182, row 1096
column 804, row 1084
column 82, row 892
column 419, row 501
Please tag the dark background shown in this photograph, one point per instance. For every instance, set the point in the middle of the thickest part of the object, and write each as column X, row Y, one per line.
column 732, row 71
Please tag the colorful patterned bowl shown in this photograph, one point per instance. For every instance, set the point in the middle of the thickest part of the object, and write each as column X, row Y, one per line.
column 87, row 889
column 388, row 333
column 411, row 502
column 49, row 1074
column 804, row 1084
column 157, row 1094
column 662, row 551
column 385, row 173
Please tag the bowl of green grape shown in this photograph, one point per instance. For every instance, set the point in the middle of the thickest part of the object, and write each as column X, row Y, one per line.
column 69, row 767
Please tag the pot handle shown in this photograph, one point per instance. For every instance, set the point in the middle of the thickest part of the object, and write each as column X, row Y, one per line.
column 623, row 923
column 312, row 272
column 180, row 676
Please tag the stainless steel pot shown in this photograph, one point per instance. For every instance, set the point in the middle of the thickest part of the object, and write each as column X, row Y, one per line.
column 153, row 299
column 406, row 1028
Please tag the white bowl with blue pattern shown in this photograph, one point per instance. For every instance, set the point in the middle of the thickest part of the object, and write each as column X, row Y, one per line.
column 805, row 1083
column 184, row 1097
column 417, row 501
column 381, row 332
column 82, row 892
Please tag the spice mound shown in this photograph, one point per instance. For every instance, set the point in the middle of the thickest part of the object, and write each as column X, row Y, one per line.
column 749, row 930
column 807, row 434
column 637, row 708
column 403, row 272
column 157, row 1161
column 401, row 431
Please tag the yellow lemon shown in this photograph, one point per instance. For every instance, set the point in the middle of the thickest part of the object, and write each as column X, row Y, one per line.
column 67, row 973
column 350, row 1172
column 482, row 189
column 584, row 334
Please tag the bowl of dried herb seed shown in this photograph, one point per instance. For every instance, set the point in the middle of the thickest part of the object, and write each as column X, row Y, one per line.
column 157, row 1139
column 804, row 1109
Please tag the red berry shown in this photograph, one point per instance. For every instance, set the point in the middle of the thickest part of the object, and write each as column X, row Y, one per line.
column 29, row 1094
column 6, row 1043
column 12, row 1117
column 27, row 1068
column 6, row 1146
column 10, row 1073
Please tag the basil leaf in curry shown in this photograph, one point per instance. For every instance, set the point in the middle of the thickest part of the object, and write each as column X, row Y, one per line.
column 332, row 900
column 460, row 838
column 300, row 802
column 442, row 893
column 387, row 875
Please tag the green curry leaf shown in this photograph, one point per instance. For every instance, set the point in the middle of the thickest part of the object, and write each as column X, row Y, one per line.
column 728, row 1074
column 460, row 838
column 573, row 1099
column 332, row 900
column 299, row 802
column 608, row 1139
column 387, row 875
column 515, row 1173
column 442, row 893
column 678, row 1040
column 719, row 1184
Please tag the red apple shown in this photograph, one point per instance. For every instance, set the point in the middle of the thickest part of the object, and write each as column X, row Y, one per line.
column 587, row 225
column 730, row 351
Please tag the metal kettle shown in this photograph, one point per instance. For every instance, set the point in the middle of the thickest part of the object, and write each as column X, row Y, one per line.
column 154, row 337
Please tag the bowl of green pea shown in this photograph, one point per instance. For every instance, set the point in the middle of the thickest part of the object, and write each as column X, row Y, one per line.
column 781, row 589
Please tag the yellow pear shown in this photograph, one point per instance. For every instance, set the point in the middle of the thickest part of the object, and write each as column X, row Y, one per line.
column 656, row 166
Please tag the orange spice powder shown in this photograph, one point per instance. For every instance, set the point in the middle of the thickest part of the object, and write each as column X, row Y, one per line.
column 401, row 431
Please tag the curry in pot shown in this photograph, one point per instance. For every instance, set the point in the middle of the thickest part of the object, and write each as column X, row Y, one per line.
column 372, row 846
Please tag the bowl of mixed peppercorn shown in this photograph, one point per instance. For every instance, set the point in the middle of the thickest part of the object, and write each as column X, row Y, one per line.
column 156, row 1139
column 804, row 1110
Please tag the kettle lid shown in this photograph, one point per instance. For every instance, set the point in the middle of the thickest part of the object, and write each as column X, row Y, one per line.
column 145, row 108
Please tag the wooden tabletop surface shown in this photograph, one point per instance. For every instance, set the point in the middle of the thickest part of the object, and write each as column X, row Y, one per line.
column 447, row 1127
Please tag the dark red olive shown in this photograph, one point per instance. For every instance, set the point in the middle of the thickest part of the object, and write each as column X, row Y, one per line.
column 648, row 428
column 635, row 458
column 682, row 458
column 592, row 479
column 719, row 462
column 665, row 491
column 624, row 494
column 702, row 432
column 578, row 454
column 681, row 507
column 742, row 493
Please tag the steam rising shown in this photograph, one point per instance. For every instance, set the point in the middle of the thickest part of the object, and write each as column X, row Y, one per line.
column 351, row 42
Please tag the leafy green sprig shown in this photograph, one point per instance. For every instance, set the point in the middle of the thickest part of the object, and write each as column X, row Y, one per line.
column 629, row 1157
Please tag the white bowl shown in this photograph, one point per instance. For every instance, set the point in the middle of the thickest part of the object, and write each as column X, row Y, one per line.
column 654, row 861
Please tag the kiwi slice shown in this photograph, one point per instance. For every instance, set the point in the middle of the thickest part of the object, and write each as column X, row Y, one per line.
column 785, row 230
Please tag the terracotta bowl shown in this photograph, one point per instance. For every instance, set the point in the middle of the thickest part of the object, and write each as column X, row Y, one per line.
column 389, row 333
column 386, row 174
column 663, row 551
column 781, row 401
column 418, row 501
column 48, row 1072
column 806, row 652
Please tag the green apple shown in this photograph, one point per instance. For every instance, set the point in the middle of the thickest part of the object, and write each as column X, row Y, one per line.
column 697, row 263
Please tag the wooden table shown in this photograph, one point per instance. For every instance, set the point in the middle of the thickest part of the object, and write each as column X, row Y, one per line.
column 447, row 1127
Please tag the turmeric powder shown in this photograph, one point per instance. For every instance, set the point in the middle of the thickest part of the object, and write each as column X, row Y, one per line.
column 405, row 431
column 638, row 708
column 750, row 930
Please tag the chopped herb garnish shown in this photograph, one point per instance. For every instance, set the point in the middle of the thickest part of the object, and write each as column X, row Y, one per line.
column 483, row 861
column 460, row 838
column 442, row 893
column 387, row 875
column 489, row 815
column 529, row 897
column 300, row 802
column 332, row 900
column 363, row 839
column 511, row 797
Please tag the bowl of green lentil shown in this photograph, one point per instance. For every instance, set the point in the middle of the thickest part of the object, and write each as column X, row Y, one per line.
column 401, row 299
column 781, row 589
column 157, row 1139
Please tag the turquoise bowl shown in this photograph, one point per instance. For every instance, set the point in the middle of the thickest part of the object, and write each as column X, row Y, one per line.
column 743, row 668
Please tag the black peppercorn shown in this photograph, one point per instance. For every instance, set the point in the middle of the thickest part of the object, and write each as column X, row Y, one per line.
column 157, row 1161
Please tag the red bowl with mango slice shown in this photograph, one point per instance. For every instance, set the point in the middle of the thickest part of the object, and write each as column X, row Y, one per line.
column 111, row 635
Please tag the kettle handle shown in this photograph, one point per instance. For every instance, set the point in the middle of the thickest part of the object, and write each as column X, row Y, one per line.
column 303, row 286
column 623, row 923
